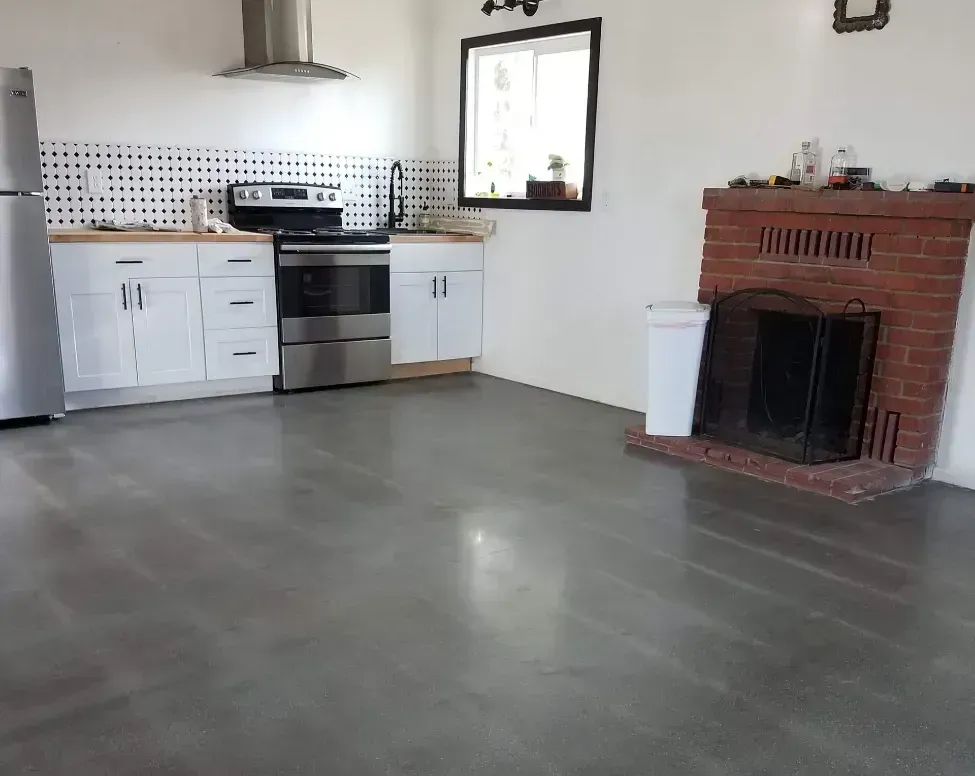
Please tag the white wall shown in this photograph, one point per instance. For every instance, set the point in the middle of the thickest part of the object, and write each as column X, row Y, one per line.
column 692, row 94
column 140, row 72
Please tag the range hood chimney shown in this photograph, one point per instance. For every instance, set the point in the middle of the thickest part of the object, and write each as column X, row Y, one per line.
column 278, row 44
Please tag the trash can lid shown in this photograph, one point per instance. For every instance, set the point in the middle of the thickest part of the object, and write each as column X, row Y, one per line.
column 678, row 311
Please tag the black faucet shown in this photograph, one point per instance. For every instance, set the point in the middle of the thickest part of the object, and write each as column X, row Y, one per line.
column 396, row 218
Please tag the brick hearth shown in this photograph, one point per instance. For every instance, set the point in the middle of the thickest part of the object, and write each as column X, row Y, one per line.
column 903, row 254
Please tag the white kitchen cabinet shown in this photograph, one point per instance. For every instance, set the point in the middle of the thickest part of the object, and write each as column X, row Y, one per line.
column 436, row 301
column 460, row 315
column 168, row 322
column 95, row 325
column 238, row 302
column 413, row 306
column 236, row 353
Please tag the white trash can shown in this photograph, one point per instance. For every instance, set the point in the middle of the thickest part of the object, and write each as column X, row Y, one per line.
column 676, row 344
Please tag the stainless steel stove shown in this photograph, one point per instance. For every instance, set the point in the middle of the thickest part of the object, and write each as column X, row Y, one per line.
column 333, row 285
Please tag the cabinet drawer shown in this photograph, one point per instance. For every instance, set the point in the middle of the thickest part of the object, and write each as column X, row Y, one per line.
column 236, row 260
column 238, row 303
column 437, row 257
column 242, row 353
column 125, row 260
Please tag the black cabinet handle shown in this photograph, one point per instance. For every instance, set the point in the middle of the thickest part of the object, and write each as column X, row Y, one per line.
column 239, row 261
column 435, row 288
column 139, row 287
column 248, row 353
column 444, row 286
column 130, row 261
column 233, row 303
column 125, row 298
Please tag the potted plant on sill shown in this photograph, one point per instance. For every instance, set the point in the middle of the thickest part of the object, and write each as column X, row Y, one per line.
column 557, row 165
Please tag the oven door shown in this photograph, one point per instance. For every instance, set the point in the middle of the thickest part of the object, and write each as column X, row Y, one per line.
column 333, row 293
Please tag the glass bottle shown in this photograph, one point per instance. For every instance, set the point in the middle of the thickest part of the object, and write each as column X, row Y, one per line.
column 810, row 166
column 838, row 166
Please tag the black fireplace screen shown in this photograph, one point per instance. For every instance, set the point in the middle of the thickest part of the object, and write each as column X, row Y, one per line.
column 787, row 378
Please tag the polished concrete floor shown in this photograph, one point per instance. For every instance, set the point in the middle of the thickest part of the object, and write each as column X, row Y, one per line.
column 455, row 576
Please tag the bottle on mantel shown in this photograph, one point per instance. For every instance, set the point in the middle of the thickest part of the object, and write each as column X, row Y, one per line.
column 840, row 163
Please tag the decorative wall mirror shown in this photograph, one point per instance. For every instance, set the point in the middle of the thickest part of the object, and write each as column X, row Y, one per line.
column 528, row 117
column 861, row 15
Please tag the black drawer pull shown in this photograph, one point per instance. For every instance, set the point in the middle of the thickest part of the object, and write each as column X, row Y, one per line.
column 130, row 261
column 248, row 353
column 239, row 261
column 233, row 303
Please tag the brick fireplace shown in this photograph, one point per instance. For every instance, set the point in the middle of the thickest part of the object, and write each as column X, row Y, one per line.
column 904, row 255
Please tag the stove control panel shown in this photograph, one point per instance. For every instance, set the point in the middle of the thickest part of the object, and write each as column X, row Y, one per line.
column 285, row 195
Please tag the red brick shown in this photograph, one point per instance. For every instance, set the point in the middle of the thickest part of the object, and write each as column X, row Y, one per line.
column 961, row 228
column 904, row 244
column 954, row 249
column 920, row 424
column 924, row 390
column 913, row 406
column 935, row 321
column 923, row 357
column 925, row 303
column 733, row 234
column 725, row 267
column 720, row 251
column 897, row 318
column 887, row 386
column 905, row 457
column 926, row 228
column 882, row 262
column 910, row 372
column 893, row 354
column 925, row 265
column 907, row 440
column 853, row 277
column 720, row 218
column 896, row 335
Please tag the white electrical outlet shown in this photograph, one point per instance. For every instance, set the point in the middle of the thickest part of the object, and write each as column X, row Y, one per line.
column 95, row 181
column 350, row 196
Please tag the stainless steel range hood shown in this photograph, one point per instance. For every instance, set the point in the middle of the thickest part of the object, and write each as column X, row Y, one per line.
column 278, row 44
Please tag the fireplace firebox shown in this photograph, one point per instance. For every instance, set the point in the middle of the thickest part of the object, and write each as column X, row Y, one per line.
column 788, row 378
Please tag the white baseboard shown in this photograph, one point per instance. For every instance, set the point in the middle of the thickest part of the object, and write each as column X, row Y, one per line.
column 961, row 479
column 122, row 397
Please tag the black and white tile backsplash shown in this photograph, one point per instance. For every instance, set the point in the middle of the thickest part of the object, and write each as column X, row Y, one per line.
column 152, row 183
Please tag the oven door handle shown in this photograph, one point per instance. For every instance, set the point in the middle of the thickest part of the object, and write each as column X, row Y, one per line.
column 331, row 259
column 335, row 248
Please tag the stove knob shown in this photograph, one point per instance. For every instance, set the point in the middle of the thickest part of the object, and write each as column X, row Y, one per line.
column 257, row 195
column 321, row 196
column 242, row 194
column 332, row 197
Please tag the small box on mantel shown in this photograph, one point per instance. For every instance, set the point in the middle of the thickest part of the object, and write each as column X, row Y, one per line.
column 551, row 190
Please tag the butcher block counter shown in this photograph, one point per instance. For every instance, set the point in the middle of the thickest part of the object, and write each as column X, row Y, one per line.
column 97, row 236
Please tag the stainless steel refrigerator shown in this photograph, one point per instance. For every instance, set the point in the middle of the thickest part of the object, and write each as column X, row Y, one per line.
column 31, row 383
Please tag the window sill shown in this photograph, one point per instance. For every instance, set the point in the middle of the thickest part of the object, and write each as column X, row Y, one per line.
column 511, row 203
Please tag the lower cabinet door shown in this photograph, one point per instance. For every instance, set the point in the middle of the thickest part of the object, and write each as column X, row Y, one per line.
column 461, row 311
column 95, row 324
column 242, row 353
column 413, row 312
column 168, row 321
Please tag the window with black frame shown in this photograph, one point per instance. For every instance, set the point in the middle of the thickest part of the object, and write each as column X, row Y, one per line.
column 528, row 117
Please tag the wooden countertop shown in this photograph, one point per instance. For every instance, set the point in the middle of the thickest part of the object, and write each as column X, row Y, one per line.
column 96, row 236
column 436, row 238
